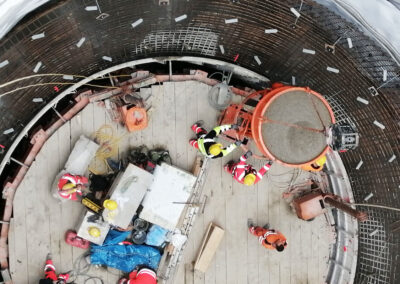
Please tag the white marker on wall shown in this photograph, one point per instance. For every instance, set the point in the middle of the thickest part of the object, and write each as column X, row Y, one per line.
column 374, row 232
column 37, row 67
column 380, row 125
column 221, row 47
column 8, row 131
column 360, row 163
column 91, row 8
column 80, row 42
column 361, row 100
column 136, row 23
column 294, row 11
column 384, row 75
column 231, row 21
column 107, row 58
column 37, row 36
column 308, row 51
column 368, row 197
column 293, row 80
column 180, row 18
column 350, row 42
column 392, row 158
column 4, row 63
column 257, row 59
column 37, row 100
column 333, row 70
column 68, row 77
column 271, row 31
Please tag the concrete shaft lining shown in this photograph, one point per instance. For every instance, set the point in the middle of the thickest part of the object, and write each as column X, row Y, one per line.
column 281, row 59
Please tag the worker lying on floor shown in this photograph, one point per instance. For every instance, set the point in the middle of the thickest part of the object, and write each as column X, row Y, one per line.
column 71, row 186
column 269, row 238
column 143, row 276
column 50, row 274
column 245, row 173
column 206, row 143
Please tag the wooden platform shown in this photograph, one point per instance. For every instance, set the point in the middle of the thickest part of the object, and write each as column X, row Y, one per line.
column 40, row 222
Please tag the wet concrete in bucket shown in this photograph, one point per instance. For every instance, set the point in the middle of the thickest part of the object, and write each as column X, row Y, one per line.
column 291, row 144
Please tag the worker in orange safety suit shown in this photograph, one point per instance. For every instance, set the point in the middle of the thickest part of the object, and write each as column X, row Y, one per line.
column 71, row 186
column 206, row 143
column 143, row 276
column 50, row 274
column 245, row 173
column 268, row 238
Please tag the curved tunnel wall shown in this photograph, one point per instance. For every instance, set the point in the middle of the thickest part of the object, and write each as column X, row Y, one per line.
column 281, row 56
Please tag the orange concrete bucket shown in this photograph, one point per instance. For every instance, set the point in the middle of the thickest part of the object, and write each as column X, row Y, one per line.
column 289, row 125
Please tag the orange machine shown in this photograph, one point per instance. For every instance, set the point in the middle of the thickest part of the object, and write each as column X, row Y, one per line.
column 135, row 118
column 313, row 204
column 288, row 124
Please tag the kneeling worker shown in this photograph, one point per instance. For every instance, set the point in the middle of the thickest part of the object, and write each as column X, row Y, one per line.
column 50, row 274
column 268, row 238
column 71, row 186
column 143, row 276
column 206, row 143
column 245, row 173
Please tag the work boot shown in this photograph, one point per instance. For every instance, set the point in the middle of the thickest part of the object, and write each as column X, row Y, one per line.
column 64, row 276
column 250, row 223
column 266, row 226
column 49, row 265
column 123, row 281
column 193, row 143
column 197, row 128
column 199, row 123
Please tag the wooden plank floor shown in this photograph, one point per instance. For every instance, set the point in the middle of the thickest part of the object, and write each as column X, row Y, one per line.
column 39, row 221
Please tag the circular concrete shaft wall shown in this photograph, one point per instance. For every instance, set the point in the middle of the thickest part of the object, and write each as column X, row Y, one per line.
column 224, row 30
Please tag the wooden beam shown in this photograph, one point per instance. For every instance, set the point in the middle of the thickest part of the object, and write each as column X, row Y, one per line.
column 211, row 241
column 197, row 166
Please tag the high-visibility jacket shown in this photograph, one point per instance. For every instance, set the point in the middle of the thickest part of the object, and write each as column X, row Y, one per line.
column 75, row 181
column 206, row 140
column 266, row 237
column 241, row 169
column 144, row 276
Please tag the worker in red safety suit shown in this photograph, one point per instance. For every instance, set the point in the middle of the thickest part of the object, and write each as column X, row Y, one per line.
column 71, row 186
column 207, row 144
column 143, row 276
column 50, row 274
column 268, row 238
column 245, row 173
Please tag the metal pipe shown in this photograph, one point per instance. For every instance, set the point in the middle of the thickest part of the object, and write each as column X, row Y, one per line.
column 361, row 216
column 19, row 163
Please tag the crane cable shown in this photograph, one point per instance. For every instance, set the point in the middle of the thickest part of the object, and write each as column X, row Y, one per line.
column 56, row 83
column 56, row 74
column 81, row 268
